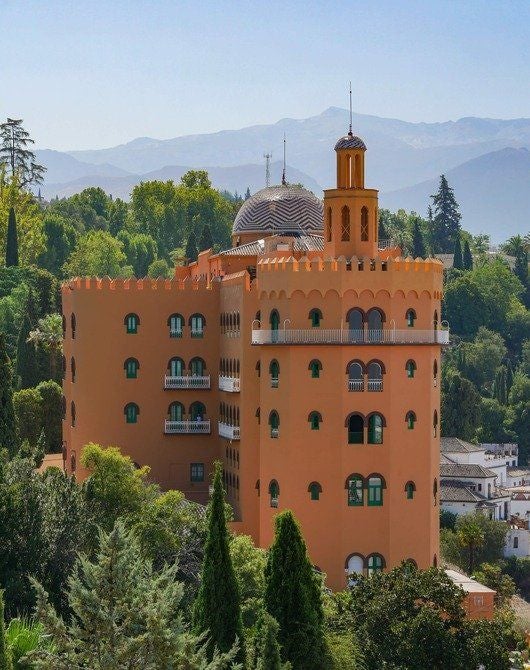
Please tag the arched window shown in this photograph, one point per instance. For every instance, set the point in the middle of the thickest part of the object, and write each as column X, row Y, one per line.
column 63, row 365
column 410, row 418
column 197, row 367
column 72, row 368
column 375, row 376
column 355, row 318
column 315, row 315
column 258, row 415
column 176, row 325
column 410, row 317
column 435, row 491
column 355, row 376
column 63, row 406
column 315, row 366
column 274, row 370
column 274, row 319
column 375, row 318
column 435, row 424
column 435, row 372
column 329, row 226
column 257, row 487
column 435, row 561
column 355, row 488
column 376, row 484
column 197, row 411
column 73, row 325
column 131, row 321
column 314, row 419
column 435, row 320
column 64, row 326
column 274, row 493
column 131, row 411
column 315, row 490
column 410, row 490
column 410, row 367
column 176, row 367
column 197, row 323
column 258, row 315
column 355, row 565
column 258, row 368
column 72, row 414
column 274, row 423
column 176, row 411
column 355, row 423
column 131, row 367
column 345, row 224
column 375, row 563
column 364, row 225
column 375, row 429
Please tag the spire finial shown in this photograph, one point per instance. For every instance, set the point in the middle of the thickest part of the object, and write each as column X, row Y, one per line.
column 283, row 173
column 350, row 132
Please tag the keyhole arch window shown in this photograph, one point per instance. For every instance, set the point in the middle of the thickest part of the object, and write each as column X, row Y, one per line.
column 376, row 423
column 410, row 367
column 314, row 489
column 176, row 411
column 410, row 490
column 410, row 317
column 376, row 484
column 131, row 367
column 131, row 411
column 315, row 317
column 175, row 367
column 197, row 367
column 314, row 418
column 274, row 423
column 315, row 366
column 274, row 371
column 197, row 324
column 410, row 419
column 375, row 563
column 176, row 325
column 274, row 493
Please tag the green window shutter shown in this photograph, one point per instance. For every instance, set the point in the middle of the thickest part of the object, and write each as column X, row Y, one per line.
column 315, row 492
column 132, row 324
column 131, row 413
column 131, row 369
column 315, row 371
column 375, row 492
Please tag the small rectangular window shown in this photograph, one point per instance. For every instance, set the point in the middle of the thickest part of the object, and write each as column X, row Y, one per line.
column 197, row 472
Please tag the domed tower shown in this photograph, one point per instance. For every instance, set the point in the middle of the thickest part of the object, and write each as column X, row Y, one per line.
column 350, row 210
column 277, row 210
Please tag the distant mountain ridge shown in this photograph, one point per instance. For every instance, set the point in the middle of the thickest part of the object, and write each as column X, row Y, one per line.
column 401, row 155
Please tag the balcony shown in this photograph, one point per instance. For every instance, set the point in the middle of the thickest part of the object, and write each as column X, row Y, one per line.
column 175, row 332
column 344, row 336
column 355, row 385
column 229, row 432
column 375, row 384
column 186, row 382
column 275, row 433
column 186, row 427
column 275, row 382
column 230, row 384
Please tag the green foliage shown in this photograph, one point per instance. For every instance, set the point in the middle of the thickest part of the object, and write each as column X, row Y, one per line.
column 458, row 262
column 61, row 237
column 5, row 653
column 159, row 268
column 97, row 254
column 267, row 649
column 446, row 222
column 30, row 233
column 191, row 247
column 48, row 337
column 491, row 576
column 12, row 239
column 293, row 593
column 460, row 407
column 140, row 250
column 217, row 611
column 475, row 540
column 206, row 240
column 518, row 569
column 494, row 422
column 30, row 362
column 27, row 404
column 8, row 428
column 418, row 244
column 125, row 616
column 467, row 257
column 24, row 635
column 249, row 566
column 16, row 154
column 447, row 519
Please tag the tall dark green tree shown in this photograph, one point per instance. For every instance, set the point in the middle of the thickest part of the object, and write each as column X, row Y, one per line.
column 460, row 411
column 247, row 193
column 28, row 357
column 206, row 240
column 5, row 656
column 8, row 429
column 458, row 262
column 293, row 594
column 467, row 258
column 521, row 270
column 12, row 240
column 16, row 154
column 191, row 247
column 217, row 609
column 267, row 647
column 418, row 245
column 446, row 222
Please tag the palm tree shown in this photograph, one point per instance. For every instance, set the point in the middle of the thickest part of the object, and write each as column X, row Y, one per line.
column 49, row 336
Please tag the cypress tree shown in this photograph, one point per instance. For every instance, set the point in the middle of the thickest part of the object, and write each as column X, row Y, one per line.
column 206, row 241
column 5, row 655
column 28, row 357
column 458, row 263
column 500, row 385
column 247, row 193
column 446, row 223
column 293, row 597
column 12, row 240
column 8, row 431
column 217, row 610
column 418, row 246
column 267, row 647
column 467, row 258
column 191, row 247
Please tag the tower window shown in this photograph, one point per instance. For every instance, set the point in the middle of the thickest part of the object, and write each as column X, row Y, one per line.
column 176, row 324
column 355, row 429
column 72, row 368
column 274, row 493
column 410, row 418
column 131, row 367
column 274, row 423
column 314, row 420
column 315, row 490
column 329, row 227
column 375, row 429
column 375, row 564
column 411, row 317
column 197, row 472
column 197, row 323
column 274, row 370
column 73, row 325
column 315, row 315
column 410, row 490
column 131, row 411
column 131, row 322
column 410, row 367
column 315, row 366
column 345, row 224
column 364, row 225
column 355, row 486
column 375, row 491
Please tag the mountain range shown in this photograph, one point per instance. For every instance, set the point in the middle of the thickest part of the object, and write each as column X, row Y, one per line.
column 486, row 161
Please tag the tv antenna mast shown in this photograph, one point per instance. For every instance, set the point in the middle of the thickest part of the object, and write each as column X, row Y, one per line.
column 267, row 158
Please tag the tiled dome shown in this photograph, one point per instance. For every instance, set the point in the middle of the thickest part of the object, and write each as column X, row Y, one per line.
column 280, row 209
column 350, row 142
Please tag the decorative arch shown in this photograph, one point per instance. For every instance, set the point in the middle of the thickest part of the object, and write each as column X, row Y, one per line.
column 362, row 562
column 355, row 423
column 356, row 361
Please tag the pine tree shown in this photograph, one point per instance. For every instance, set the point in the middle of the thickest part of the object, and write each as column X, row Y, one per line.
column 12, row 240
column 446, row 223
column 5, row 655
column 467, row 259
column 458, row 263
column 293, row 594
column 418, row 246
column 191, row 247
column 29, row 358
column 206, row 241
column 217, row 610
column 8, row 431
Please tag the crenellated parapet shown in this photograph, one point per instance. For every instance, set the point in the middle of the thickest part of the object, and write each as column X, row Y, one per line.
column 350, row 274
column 137, row 285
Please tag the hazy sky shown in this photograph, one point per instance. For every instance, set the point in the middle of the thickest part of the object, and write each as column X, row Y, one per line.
column 94, row 73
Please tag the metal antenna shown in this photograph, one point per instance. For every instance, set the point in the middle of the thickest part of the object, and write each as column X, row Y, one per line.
column 267, row 158
column 350, row 132
column 283, row 173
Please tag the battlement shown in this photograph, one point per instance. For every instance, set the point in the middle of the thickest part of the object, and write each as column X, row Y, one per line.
column 354, row 264
column 146, row 284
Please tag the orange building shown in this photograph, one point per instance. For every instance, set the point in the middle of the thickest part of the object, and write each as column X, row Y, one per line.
column 305, row 357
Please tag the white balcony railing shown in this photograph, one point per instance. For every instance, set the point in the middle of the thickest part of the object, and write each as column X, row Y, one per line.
column 230, row 432
column 355, row 385
column 175, row 332
column 375, row 384
column 275, row 432
column 231, row 384
column 187, row 427
column 344, row 336
column 275, row 382
column 187, row 382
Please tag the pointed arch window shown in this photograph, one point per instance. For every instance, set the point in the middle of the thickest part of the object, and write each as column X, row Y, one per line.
column 131, row 321
column 376, row 485
column 410, row 367
column 131, row 411
column 72, row 414
column 197, row 367
column 410, row 317
column 435, row 372
column 64, row 326
column 355, row 487
column 314, row 489
column 274, row 319
column 176, row 325
column 355, row 376
column 274, row 423
column 375, row 376
column 355, row 423
column 345, row 224
column 364, row 225
column 315, row 366
column 410, row 490
column 375, row 318
column 274, row 370
column 329, row 226
column 375, row 428
column 435, row 424
column 376, row 563
column 73, row 325
column 410, row 418
column 274, row 493
column 197, row 323
column 315, row 316
column 314, row 419
column 131, row 367
column 72, row 368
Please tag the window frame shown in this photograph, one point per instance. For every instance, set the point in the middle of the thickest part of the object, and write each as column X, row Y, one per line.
column 131, row 322
column 195, row 469
column 353, row 490
column 132, row 412
column 129, row 373
column 374, row 492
